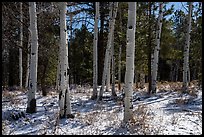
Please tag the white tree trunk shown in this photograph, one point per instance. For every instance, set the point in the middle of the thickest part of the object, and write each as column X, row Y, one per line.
column 119, row 67
column 67, row 94
column 21, row 45
column 64, row 97
column 95, row 53
column 31, row 106
column 157, row 48
column 58, row 74
column 119, row 56
column 130, row 56
column 109, row 54
column 62, row 8
column 108, row 72
column 189, row 76
column 142, row 80
column 28, row 61
column 108, row 48
column 113, row 69
column 186, row 52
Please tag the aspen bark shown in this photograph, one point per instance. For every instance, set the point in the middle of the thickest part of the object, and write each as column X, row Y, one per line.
column 31, row 106
column 95, row 53
column 21, row 46
column 108, row 73
column 108, row 48
column 113, row 69
column 58, row 74
column 119, row 56
column 157, row 48
column 62, row 8
column 109, row 59
column 67, row 106
column 130, row 56
column 64, row 96
column 142, row 80
column 176, row 70
column 28, row 61
column 186, row 52
column 150, row 50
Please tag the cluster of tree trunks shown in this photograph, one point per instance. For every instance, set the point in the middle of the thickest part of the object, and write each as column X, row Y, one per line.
column 62, row 82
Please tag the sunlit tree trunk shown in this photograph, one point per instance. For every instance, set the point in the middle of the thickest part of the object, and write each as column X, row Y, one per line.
column 156, row 49
column 113, row 55
column 149, row 50
column 64, row 96
column 21, row 46
column 108, row 73
column 186, row 52
column 108, row 48
column 113, row 69
column 142, row 80
column 28, row 61
column 58, row 74
column 62, row 82
column 31, row 106
column 176, row 70
column 95, row 53
column 130, row 56
column 67, row 106
column 109, row 59
column 119, row 54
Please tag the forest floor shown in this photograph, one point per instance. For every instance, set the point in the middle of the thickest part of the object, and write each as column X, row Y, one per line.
column 166, row 112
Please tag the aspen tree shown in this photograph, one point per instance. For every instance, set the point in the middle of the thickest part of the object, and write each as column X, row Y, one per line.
column 108, row 73
column 31, row 106
column 21, row 46
column 64, row 96
column 156, row 49
column 120, row 51
column 67, row 107
column 130, row 56
column 186, row 69
column 28, row 61
column 95, row 54
column 108, row 48
column 109, row 59
column 113, row 93
column 58, row 74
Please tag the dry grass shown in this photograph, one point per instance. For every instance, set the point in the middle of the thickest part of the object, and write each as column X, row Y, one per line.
column 182, row 101
column 140, row 124
column 193, row 93
column 90, row 118
column 10, row 96
column 174, row 120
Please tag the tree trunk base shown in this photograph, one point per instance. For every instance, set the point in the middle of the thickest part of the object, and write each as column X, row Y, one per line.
column 94, row 97
column 99, row 98
column 44, row 92
column 32, row 109
column 67, row 116
column 70, row 116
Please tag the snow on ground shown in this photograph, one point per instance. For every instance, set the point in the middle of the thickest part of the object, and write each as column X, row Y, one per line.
column 167, row 112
